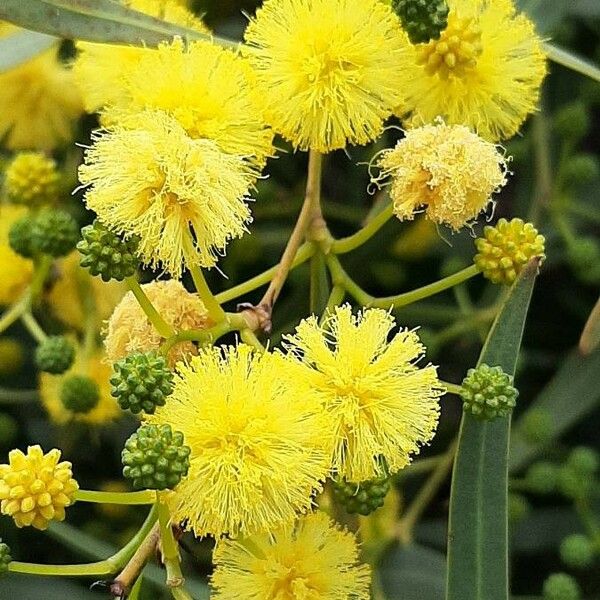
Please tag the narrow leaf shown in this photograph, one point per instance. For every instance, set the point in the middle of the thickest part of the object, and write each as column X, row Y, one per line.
column 22, row 46
column 590, row 336
column 478, row 527
column 572, row 61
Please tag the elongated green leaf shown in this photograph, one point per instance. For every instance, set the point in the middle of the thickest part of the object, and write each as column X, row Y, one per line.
column 23, row 46
column 572, row 61
column 95, row 21
column 478, row 528
column 571, row 394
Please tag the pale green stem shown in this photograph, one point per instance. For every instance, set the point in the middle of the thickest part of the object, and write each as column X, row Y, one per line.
column 338, row 293
column 571, row 61
column 33, row 327
column 215, row 312
column 170, row 550
column 366, row 233
column 340, row 278
column 248, row 337
column 163, row 328
column 304, row 253
column 8, row 396
column 452, row 388
column 141, row 497
column 14, row 313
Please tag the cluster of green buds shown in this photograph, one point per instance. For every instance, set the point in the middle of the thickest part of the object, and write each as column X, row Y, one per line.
column 31, row 178
column 155, row 457
column 55, row 355
column 79, row 393
column 106, row 254
column 423, row 20
column 560, row 586
column 487, row 393
column 361, row 498
column 506, row 248
column 5, row 558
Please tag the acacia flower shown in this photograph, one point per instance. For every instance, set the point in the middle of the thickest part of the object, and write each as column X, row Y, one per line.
column 381, row 404
column 100, row 69
column 485, row 70
column 35, row 488
column 184, row 198
column 39, row 102
column 257, row 442
column 316, row 559
column 209, row 90
column 129, row 330
column 328, row 70
column 447, row 169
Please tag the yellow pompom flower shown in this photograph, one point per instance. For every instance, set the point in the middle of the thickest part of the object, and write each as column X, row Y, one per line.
column 184, row 198
column 485, row 70
column 327, row 70
column 39, row 102
column 67, row 295
column 100, row 69
column 31, row 178
column 97, row 369
column 35, row 487
column 16, row 270
column 258, row 443
column 381, row 404
column 447, row 169
column 129, row 330
column 209, row 90
column 315, row 560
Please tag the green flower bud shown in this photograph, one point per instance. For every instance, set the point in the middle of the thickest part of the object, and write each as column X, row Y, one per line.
column 5, row 558
column 31, row 178
column 581, row 169
column 487, row 393
column 577, row 551
column 423, row 20
column 362, row 498
column 572, row 121
column 20, row 237
column 536, row 426
column 542, row 478
column 573, row 484
column 505, row 249
column 79, row 393
column 54, row 232
column 141, row 382
column 155, row 458
column 106, row 254
column 55, row 355
column 518, row 507
column 560, row 586
column 584, row 257
column 584, row 460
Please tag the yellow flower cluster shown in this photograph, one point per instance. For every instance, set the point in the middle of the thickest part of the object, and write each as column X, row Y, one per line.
column 35, row 487
column 31, row 178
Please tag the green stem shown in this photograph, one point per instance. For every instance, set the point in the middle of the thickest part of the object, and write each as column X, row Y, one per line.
column 249, row 338
column 452, row 388
column 338, row 293
column 340, row 278
column 153, row 315
column 426, row 291
column 8, row 396
column 472, row 322
column 141, row 497
column 215, row 312
column 571, row 61
column 366, row 233
column 170, row 550
column 544, row 178
column 13, row 313
column 33, row 327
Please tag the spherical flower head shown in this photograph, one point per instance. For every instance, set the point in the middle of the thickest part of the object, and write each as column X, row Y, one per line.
column 362, row 498
column 542, row 477
column 155, row 458
column 577, row 551
column 447, row 169
column 316, row 559
column 105, row 411
column 39, row 104
column 35, row 487
column 16, row 270
column 423, row 20
column 54, row 232
column 55, row 354
column 506, row 248
column 183, row 199
column 79, row 393
column 382, row 406
column 485, row 70
column 99, row 69
column 20, row 237
column 210, row 91
column 5, row 558
column 128, row 330
column 31, row 178
column 560, row 586
column 258, row 443
column 327, row 70
column 488, row 393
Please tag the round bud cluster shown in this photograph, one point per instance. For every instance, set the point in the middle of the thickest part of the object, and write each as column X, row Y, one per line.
column 141, row 382
column 5, row 558
column 584, row 460
column 55, row 355
column 361, row 498
column 542, row 478
column 106, row 254
column 560, row 586
column 577, row 551
column 155, row 457
column 20, row 237
column 79, row 393
column 487, row 393
column 54, row 232
column 423, row 20
column 584, row 256
column 31, row 178
column 505, row 249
